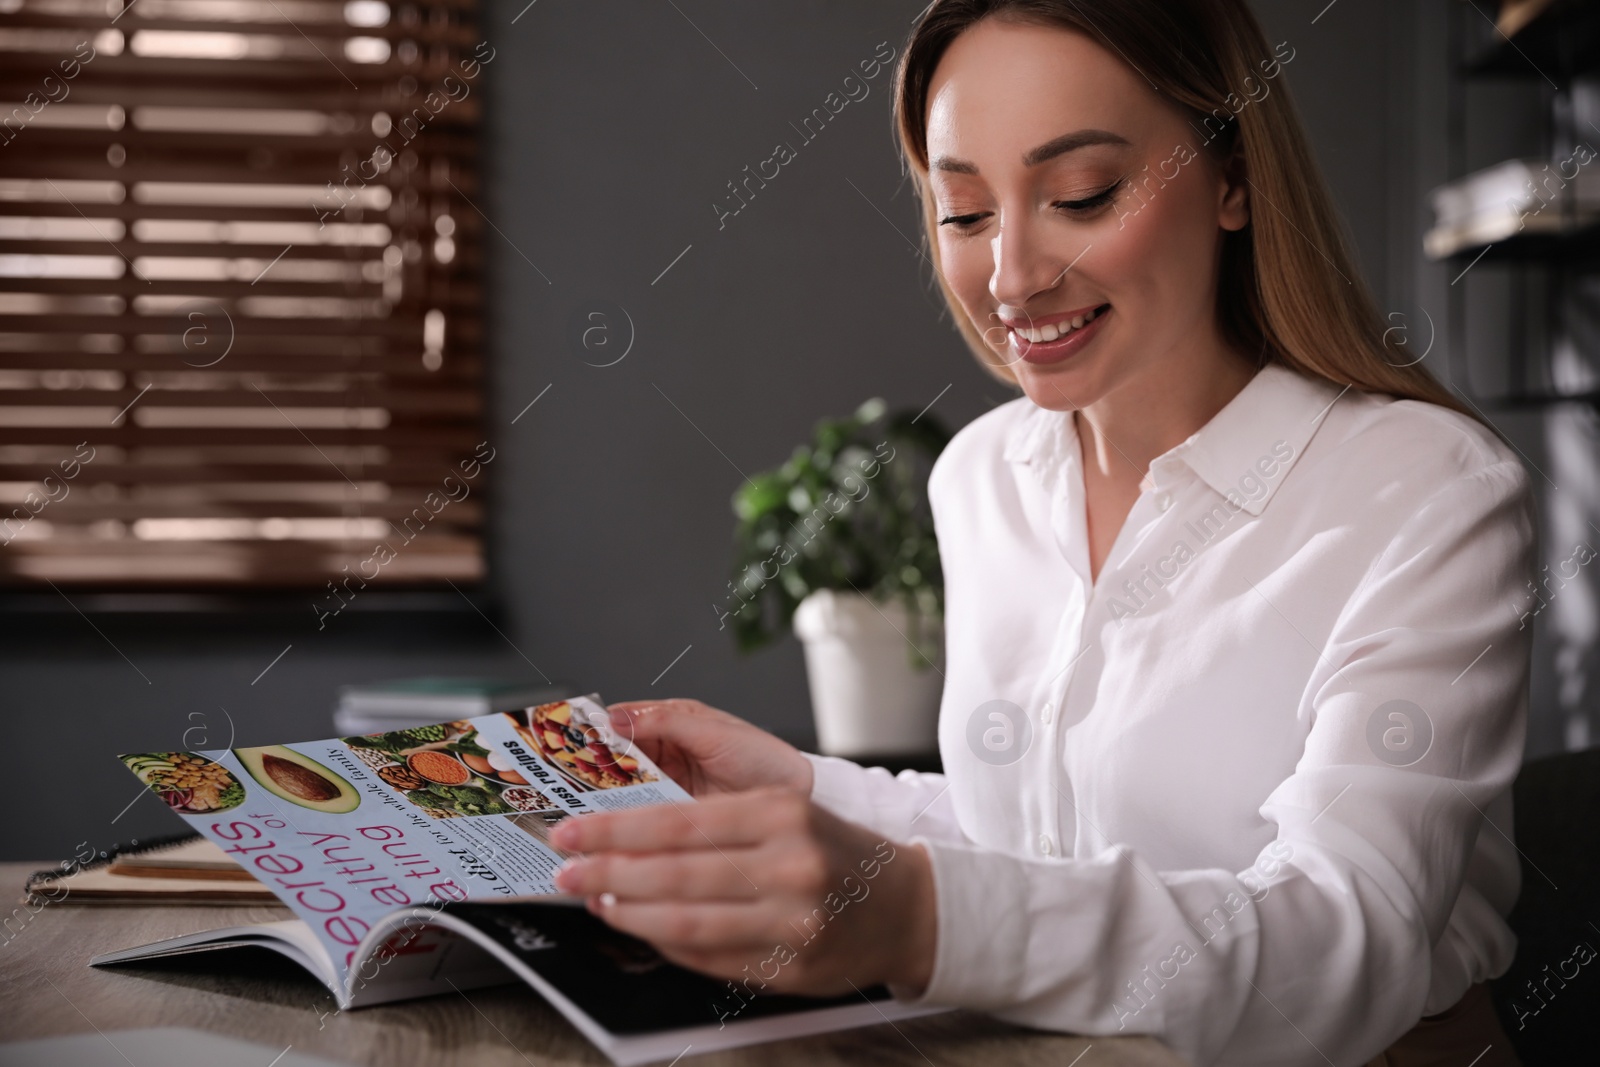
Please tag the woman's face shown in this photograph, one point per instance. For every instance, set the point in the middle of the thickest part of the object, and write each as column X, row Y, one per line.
column 1070, row 196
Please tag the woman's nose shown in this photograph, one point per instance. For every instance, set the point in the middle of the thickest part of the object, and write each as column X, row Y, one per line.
column 1025, row 265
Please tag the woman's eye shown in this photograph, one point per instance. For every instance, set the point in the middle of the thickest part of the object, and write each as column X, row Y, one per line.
column 962, row 222
column 1091, row 203
column 1083, row 207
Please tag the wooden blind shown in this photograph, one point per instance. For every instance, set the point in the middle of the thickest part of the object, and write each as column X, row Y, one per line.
column 240, row 292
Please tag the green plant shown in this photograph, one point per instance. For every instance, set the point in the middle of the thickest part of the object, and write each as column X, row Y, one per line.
column 849, row 511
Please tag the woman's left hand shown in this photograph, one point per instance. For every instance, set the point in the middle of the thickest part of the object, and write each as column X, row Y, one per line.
column 762, row 885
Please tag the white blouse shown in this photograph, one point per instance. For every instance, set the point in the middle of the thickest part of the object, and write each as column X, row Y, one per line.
column 1249, row 791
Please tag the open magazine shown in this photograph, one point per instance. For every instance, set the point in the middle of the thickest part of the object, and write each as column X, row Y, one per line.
column 419, row 862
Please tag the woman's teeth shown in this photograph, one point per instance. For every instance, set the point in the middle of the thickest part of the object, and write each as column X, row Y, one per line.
column 1056, row 330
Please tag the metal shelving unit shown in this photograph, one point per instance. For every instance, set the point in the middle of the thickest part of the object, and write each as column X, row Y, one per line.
column 1559, row 51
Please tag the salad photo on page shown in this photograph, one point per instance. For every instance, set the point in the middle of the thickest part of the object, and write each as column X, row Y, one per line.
column 348, row 829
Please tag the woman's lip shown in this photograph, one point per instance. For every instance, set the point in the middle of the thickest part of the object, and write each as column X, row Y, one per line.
column 1062, row 347
column 1046, row 320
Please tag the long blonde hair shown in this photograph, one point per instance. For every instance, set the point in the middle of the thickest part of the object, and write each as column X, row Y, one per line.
column 1288, row 290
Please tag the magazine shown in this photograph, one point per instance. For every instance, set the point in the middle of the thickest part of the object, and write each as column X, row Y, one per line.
column 418, row 862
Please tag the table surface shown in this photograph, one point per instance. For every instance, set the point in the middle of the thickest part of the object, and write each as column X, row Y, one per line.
column 48, row 989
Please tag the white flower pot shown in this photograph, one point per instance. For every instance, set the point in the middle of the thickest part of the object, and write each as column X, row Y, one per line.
column 866, row 697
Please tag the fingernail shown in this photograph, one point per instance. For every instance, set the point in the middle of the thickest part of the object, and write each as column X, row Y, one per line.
column 564, row 835
column 608, row 900
column 567, row 877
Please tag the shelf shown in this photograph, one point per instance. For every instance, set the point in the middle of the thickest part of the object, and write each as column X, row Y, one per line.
column 1576, row 248
column 1557, row 247
column 1561, row 42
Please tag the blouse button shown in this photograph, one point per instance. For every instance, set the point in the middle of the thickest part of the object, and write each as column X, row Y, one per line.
column 1047, row 714
column 1046, row 846
column 1164, row 501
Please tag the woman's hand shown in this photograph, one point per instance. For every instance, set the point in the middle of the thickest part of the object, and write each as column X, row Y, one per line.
column 707, row 751
column 762, row 887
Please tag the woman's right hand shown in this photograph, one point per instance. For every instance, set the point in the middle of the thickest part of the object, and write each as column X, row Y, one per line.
column 707, row 751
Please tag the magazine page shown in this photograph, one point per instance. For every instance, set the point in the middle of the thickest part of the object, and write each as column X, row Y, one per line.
column 349, row 829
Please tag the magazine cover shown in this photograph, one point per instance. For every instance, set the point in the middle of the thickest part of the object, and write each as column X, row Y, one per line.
column 349, row 829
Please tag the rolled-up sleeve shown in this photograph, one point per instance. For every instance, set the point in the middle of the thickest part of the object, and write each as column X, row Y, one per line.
column 1322, row 950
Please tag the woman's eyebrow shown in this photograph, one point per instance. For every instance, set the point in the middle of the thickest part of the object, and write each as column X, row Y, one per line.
column 1067, row 142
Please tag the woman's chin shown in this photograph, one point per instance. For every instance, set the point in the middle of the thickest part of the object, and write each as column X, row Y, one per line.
column 1055, row 387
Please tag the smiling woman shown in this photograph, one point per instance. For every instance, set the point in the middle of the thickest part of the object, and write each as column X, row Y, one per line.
column 1311, row 310
column 1207, row 580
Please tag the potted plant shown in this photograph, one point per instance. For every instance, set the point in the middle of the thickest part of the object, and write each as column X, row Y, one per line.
column 838, row 543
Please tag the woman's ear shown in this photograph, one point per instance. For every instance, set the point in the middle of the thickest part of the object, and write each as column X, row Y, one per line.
column 1233, row 210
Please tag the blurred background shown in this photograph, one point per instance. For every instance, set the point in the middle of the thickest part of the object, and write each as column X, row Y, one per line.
column 280, row 277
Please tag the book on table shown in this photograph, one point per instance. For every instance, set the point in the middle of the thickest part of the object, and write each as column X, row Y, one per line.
column 418, row 861
column 181, row 870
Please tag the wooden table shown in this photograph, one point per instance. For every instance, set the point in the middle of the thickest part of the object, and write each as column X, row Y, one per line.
column 48, row 989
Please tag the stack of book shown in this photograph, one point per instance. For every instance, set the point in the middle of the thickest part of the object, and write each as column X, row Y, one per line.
column 406, row 702
column 1519, row 196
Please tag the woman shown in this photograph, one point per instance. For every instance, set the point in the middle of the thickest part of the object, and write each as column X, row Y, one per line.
column 1235, row 688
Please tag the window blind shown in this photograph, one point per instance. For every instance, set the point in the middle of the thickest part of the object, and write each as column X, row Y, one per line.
column 240, row 293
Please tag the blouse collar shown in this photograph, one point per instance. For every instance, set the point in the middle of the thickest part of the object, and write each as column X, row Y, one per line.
column 1278, row 409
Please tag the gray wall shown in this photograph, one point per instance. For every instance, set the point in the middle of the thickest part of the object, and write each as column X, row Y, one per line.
column 613, row 128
